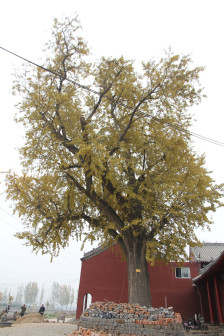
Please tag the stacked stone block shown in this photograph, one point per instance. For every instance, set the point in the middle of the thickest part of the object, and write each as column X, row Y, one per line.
column 127, row 319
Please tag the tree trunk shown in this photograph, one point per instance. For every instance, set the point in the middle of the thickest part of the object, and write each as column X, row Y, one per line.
column 138, row 275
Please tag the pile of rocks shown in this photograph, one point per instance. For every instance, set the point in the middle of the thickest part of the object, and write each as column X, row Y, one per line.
column 131, row 319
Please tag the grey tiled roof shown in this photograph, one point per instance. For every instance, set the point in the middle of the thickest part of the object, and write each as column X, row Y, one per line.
column 211, row 267
column 94, row 252
column 207, row 252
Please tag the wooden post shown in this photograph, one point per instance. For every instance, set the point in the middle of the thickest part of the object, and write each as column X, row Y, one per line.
column 218, row 301
column 201, row 306
column 210, row 303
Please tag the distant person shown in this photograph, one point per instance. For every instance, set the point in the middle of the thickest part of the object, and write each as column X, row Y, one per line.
column 7, row 308
column 23, row 309
column 41, row 310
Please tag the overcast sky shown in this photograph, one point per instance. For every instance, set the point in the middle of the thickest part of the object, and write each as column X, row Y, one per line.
column 138, row 30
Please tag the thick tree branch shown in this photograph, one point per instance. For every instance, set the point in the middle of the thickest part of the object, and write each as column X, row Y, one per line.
column 147, row 97
column 114, row 104
column 73, row 149
column 108, row 212
column 113, row 191
column 103, row 94
column 88, row 176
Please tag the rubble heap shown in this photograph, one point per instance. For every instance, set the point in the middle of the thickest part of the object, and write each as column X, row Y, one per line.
column 130, row 319
column 31, row 318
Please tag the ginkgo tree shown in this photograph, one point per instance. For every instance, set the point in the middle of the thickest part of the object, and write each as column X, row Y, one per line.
column 108, row 155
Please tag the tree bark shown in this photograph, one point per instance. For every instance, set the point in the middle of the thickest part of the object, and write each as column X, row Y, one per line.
column 138, row 275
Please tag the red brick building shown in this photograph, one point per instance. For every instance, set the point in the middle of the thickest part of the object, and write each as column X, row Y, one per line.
column 104, row 277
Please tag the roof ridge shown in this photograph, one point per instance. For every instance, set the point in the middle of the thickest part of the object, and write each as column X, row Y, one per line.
column 94, row 252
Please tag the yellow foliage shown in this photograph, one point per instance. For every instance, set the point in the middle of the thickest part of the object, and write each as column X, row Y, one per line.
column 112, row 154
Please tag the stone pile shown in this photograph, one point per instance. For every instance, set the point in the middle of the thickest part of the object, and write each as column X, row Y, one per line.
column 129, row 319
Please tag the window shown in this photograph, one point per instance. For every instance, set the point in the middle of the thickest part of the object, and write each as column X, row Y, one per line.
column 183, row 272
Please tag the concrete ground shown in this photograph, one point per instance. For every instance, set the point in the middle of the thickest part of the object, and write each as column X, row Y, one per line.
column 38, row 329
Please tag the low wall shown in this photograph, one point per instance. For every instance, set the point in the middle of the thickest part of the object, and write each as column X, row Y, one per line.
column 118, row 327
column 126, row 319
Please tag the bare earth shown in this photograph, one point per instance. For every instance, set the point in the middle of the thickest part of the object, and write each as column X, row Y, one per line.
column 38, row 329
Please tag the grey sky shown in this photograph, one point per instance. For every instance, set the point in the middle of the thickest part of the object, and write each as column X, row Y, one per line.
column 138, row 30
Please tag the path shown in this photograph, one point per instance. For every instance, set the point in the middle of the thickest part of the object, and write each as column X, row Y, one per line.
column 38, row 329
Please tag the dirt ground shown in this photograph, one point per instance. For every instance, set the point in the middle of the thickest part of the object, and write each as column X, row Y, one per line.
column 38, row 329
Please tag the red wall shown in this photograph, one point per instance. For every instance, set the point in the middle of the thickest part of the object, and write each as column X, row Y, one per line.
column 104, row 276
column 179, row 293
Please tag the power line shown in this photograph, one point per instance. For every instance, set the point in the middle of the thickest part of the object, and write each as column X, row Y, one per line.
column 215, row 142
column 67, row 255
column 14, row 227
column 10, row 215
column 51, row 71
